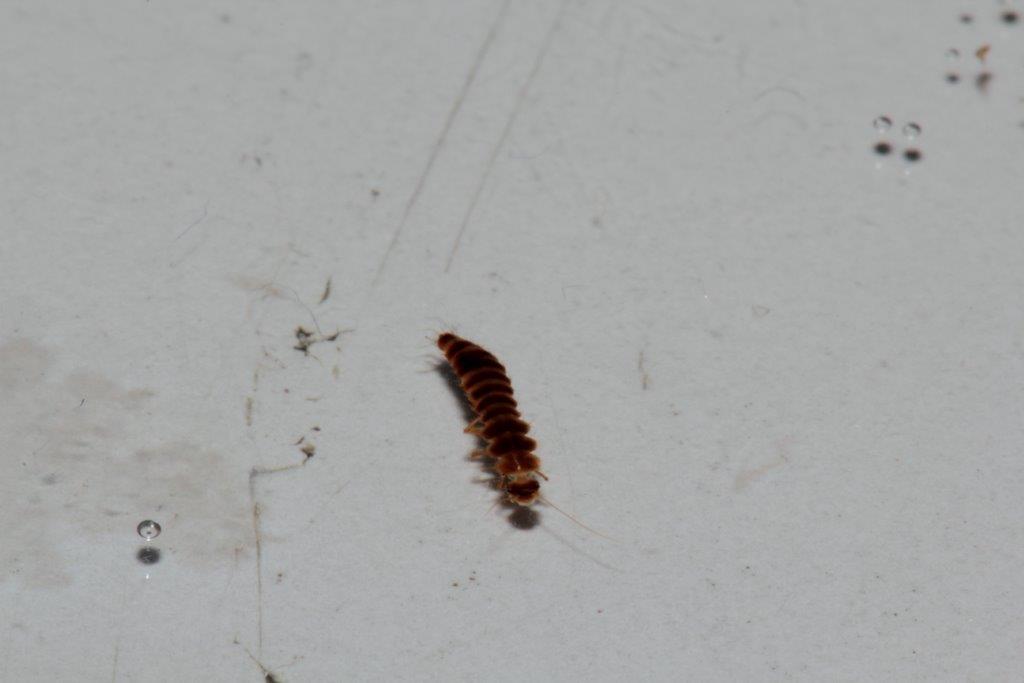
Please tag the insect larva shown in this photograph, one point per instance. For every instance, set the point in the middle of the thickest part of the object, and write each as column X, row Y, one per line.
column 498, row 422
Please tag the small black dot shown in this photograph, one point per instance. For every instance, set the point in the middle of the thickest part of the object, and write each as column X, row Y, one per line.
column 912, row 154
column 952, row 77
column 1009, row 17
column 148, row 555
column 883, row 148
column 966, row 18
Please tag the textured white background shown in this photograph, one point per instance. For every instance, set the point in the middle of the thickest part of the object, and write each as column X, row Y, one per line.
column 784, row 373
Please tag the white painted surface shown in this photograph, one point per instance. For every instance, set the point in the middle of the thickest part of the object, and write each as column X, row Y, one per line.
column 814, row 474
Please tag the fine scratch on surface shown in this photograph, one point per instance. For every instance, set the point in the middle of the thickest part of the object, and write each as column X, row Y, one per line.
column 268, row 676
column 481, row 55
column 259, row 562
column 206, row 211
column 746, row 477
column 524, row 90
column 117, row 642
column 645, row 379
column 117, row 654
column 255, row 473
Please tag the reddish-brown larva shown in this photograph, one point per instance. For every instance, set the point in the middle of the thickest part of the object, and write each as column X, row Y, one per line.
column 489, row 392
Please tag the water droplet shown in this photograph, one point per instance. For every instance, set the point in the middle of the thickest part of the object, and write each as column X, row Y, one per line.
column 911, row 130
column 882, row 124
column 148, row 529
column 953, row 53
column 148, row 555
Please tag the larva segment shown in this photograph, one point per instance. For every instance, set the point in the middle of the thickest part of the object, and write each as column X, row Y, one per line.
column 493, row 401
column 505, row 424
column 491, row 387
column 478, row 377
column 517, row 463
column 511, row 443
column 489, row 391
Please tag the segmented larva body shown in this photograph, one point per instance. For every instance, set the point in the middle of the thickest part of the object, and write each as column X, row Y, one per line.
column 489, row 391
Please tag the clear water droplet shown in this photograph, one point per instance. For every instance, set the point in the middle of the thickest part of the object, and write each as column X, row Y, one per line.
column 148, row 529
column 952, row 53
column 911, row 130
column 882, row 124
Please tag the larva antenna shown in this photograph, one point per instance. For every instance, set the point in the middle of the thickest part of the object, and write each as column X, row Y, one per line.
column 441, row 326
column 545, row 500
column 498, row 502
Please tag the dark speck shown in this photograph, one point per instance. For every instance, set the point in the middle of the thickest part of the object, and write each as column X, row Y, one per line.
column 912, row 155
column 883, row 148
column 952, row 77
column 148, row 555
column 966, row 18
column 1009, row 17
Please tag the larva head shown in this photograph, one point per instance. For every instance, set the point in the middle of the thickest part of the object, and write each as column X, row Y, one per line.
column 523, row 490
column 444, row 340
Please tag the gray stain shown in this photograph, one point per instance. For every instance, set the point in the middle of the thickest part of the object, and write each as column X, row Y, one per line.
column 86, row 466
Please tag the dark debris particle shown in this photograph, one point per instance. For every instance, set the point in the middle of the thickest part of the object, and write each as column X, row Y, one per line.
column 912, row 154
column 309, row 450
column 952, row 77
column 1009, row 17
column 148, row 555
column 883, row 148
column 306, row 339
column 982, row 80
column 327, row 292
column 303, row 336
column 966, row 18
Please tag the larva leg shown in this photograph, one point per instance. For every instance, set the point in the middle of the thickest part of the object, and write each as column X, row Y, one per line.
column 481, row 453
column 474, row 427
